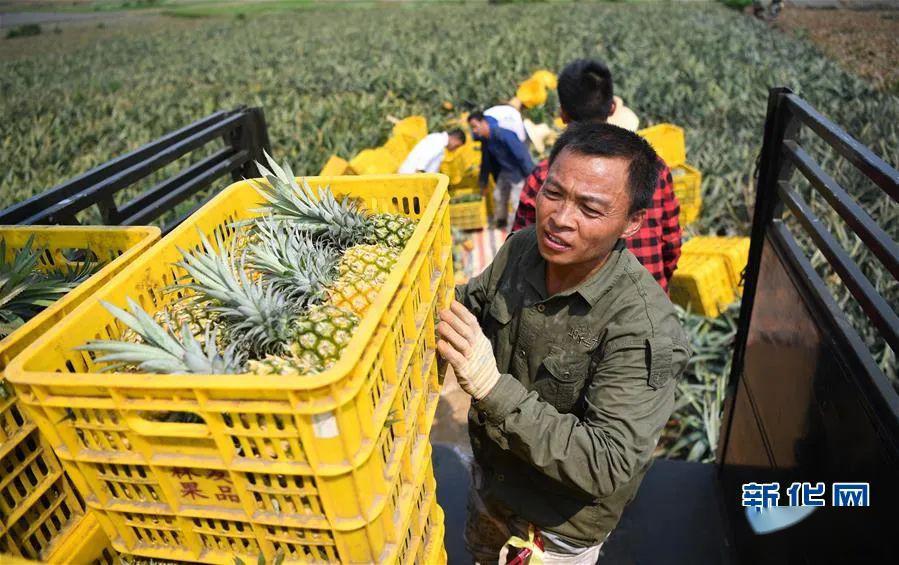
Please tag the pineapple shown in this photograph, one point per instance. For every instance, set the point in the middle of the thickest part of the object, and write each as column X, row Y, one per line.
column 187, row 312
column 321, row 335
column 244, row 237
column 262, row 317
column 343, row 222
column 162, row 350
column 363, row 271
column 287, row 295
column 355, row 292
column 368, row 260
column 308, row 272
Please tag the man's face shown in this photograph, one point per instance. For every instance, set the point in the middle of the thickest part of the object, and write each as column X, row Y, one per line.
column 582, row 209
column 480, row 128
column 454, row 143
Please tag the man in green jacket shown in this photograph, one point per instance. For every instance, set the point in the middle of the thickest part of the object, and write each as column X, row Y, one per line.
column 571, row 352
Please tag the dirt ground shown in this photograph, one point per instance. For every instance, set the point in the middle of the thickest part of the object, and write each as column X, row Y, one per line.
column 865, row 42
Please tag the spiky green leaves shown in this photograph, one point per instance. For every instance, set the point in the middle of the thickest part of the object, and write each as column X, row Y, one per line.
column 257, row 313
column 163, row 351
column 341, row 222
column 295, row 265
column 25, row 290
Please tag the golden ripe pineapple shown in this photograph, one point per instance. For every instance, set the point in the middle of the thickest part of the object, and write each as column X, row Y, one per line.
column 356, row 292
column 368, row 260
column 320, row 336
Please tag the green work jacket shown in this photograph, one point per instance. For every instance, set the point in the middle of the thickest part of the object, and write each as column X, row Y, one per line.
column 586, row 387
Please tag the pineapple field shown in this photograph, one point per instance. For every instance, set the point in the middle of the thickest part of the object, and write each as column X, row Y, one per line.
column 329, row 78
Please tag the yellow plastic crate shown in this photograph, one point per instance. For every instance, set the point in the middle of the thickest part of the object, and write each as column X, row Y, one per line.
column 668, row 141
column 335, row 167
column 463, row 191
column 433, row 549
column 420, row 527
column 305, row 464
column 469, row 215
column 463, row 165
column 701, row 284
column 688, row 189
column 734, row 251
column 37, row 505
column 85, row 543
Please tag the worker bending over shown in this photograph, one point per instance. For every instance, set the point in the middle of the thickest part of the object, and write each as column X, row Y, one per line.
column 571, row 353
column 586, row 94
column 506, row 158
column 427, row 155
column 508, row 117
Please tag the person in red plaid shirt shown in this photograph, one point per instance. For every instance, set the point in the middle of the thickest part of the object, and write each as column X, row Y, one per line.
column 586, row 94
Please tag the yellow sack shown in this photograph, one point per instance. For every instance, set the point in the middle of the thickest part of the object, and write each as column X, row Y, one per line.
column 335, row 167
column 398, row 147
column 531, row 92
column 378, row 161
column 548, row 78
column 411, row 130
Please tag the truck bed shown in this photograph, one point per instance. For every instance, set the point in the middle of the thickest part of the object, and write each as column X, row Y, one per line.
column 677, row 517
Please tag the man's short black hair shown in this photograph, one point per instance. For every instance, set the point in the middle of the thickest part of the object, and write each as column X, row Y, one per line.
column 585, row 90
column 477, row 115
column 596, row 139
column 458, row 134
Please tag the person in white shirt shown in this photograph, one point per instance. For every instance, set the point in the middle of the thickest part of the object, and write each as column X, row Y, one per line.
column 428, row 153
column 509, row 118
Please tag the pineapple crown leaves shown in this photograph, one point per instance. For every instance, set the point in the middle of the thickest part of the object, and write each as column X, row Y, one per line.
column 258, row 314
column 295, row 264
column 343, row 222
column 163, row 351
column 24, row 291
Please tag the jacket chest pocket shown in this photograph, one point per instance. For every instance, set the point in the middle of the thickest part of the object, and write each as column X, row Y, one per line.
column 498, row 316
column 561, row 378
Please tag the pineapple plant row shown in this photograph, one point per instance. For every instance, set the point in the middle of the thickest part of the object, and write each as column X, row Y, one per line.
column 283, row 296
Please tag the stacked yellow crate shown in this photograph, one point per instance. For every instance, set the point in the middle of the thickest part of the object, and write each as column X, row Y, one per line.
column 462, row 166
column 668, row 141
column 709, row 275
column 468, row 209
column 734, row 251
column 41, row 517
column 330, row 467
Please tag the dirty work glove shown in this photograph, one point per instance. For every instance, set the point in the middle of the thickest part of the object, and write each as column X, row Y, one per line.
column 467, row 349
